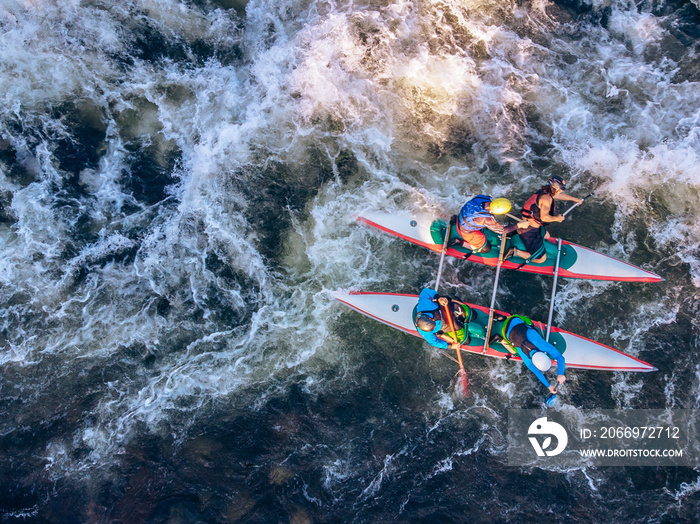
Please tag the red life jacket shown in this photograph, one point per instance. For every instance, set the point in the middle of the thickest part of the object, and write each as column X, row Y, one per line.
column 531, row 208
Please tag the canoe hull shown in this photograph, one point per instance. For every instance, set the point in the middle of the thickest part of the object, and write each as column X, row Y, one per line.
column 396, row 310
column 428, row 231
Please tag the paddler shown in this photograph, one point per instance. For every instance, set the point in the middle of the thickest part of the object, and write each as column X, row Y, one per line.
column 431, row 321
column 536, row 352
column 477, row 214
column 540, row 210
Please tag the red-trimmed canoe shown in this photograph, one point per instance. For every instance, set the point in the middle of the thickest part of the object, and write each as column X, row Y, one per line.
column 396, row 310
column 576, row 261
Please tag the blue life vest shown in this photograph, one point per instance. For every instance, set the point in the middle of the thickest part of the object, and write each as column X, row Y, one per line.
column 474, row 208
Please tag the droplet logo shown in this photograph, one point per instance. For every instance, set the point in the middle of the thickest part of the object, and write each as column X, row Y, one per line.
column 541, row 427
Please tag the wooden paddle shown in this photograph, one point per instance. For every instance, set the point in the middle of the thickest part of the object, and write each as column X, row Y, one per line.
column 462, row 371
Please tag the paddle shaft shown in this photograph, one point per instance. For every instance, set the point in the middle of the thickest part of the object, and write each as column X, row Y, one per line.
column 447, row 308
column 556, row 272
column 442, row 255
column 576, row 204
column 493, row 295
column 554, row 290
column 551, row 399
column 566, row 213
column 446, row 355
column 570, row 209
column 462, row 371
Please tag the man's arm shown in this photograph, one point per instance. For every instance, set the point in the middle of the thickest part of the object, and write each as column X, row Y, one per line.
column 554, row 353
column 545, row 204
column 490, row 223
column 564, row 196
column 434, row 340
column 443, row 301
column 451, row 342
column 532, row 367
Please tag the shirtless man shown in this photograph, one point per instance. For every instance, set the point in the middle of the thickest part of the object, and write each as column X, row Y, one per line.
column 540, row 210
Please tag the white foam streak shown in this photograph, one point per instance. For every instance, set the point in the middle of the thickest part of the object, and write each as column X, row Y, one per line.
column 446, row 464
column 639, row 29
column 686, row 489
column 384, row 473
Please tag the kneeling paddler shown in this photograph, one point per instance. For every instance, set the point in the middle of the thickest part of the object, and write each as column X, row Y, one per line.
column 432, row 323
column 476, row 215
column 536, row 352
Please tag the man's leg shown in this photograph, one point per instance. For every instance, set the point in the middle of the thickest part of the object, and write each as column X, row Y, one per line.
column 477, row 242
column 533, row 240
column 473, row 240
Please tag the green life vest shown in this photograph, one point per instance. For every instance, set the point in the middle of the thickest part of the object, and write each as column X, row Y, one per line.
column 461, row 332
column 506, row 324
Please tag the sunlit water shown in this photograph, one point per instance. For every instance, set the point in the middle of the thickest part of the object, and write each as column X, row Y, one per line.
column 179, row 182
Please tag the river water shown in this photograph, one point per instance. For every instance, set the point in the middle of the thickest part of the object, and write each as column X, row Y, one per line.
column 179, row 181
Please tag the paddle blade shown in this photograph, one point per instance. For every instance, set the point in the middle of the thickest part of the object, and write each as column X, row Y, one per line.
column 463, row 378
column 551, row 400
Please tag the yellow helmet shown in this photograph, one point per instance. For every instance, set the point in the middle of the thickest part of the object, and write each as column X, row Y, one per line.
column 500, row 206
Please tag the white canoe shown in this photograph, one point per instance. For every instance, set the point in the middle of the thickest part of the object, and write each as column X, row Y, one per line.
column 428, row 231
column 396, row 310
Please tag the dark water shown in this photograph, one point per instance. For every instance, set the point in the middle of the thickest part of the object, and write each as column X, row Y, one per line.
column 178, row 187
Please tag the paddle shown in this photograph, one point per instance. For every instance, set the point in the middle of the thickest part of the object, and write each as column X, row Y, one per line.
column 577, row 204
column 552, row 399
column 462, row 371
column 493, row 295
column 442, row 255
column 446, row 355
